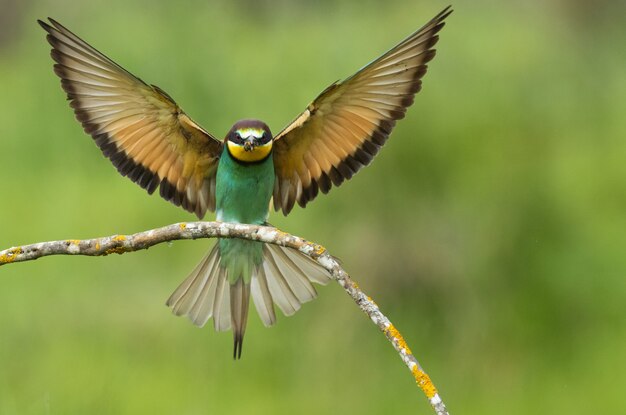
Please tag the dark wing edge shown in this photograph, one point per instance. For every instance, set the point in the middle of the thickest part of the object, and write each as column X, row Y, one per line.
column 330, row 118
column 104, row 95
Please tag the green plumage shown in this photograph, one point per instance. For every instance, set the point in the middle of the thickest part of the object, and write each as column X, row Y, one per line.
column 148, row 137
column 242, row 195
column 237, row 270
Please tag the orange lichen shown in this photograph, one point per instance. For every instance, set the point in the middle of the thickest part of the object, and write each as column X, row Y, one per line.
column 395, row 335
column 281, row 233
column 72, row 242
column 97, row 246
column 10, row 256
column 182, row 226
column 116, row 250
column 424, row 382
column 319, row 249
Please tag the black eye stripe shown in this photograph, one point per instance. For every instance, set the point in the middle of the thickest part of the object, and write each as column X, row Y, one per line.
column 237, row 139
column 266, row 138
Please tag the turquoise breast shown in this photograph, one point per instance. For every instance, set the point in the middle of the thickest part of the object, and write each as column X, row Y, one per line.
column 242, row 194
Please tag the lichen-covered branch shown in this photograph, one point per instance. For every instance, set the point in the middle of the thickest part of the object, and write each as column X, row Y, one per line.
column 120, row 244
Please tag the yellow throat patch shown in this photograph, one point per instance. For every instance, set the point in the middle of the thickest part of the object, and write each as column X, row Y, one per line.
column 256, row 154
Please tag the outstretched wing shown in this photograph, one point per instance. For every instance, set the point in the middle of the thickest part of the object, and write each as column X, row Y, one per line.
column 345, row 126
column 137, row 126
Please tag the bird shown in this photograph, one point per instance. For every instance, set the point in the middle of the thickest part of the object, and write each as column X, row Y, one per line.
column 152, row 141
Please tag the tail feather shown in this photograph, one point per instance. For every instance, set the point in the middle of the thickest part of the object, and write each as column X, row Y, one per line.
column 262, row 297
column 289, row 285
column 297, row 279
column 186, row 296
column 221, row 303
column 311, row 269
column 284, row 278
column 280, row 290
column 202, row 310
column 239, row 303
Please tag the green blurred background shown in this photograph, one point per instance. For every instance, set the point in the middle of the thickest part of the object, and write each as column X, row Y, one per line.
column 491, row 229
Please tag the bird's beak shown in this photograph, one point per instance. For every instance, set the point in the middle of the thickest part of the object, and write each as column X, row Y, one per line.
column 249, row 144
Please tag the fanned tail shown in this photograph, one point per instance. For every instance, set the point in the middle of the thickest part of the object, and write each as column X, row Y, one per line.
column 284, row 277
column 205, row 294
column 202, row 295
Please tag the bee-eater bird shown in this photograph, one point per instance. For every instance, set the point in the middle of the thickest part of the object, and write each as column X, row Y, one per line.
column 149, row 138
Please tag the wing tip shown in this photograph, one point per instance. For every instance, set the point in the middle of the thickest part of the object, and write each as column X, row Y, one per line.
column 52, row 25
column 425, row 39
column 444, row 13
column 44, row 25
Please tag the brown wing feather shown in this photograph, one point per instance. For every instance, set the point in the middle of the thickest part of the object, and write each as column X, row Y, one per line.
column 345, row 126
column 137, row 126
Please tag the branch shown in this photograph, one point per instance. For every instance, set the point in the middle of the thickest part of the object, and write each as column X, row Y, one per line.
column 120, row 244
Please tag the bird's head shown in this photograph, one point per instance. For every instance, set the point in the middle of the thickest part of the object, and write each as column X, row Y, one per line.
column 249, row 141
